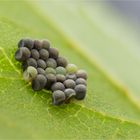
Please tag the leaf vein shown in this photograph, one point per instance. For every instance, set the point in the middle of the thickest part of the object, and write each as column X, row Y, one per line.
column 11, row 63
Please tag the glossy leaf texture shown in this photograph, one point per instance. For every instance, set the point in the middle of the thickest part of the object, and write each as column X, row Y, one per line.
column 108, row 112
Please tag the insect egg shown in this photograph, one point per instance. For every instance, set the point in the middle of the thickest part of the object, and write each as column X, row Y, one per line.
column 21, row 43
column 80, row 91
column 58, row 86
column 61, row 70
column 51, row 63
column 22, row 54
column 58, row 97
column 60, row 78
column 81, row 81
column 45, row 69
column 69, row 83
column 41, row 63
column 32, row 62
column 53, row 53
column 44, row 54
column 81, row 74
column 41, row 71
column 29, row 43
column 69, row 93
column 39, row 82
column 51, row 80
column 35, row 54
column 71, row 76
column 45, row 44
column 30, row 73
column 50, row 70
column 37, row 44
column 71, row 68
column 61, row 61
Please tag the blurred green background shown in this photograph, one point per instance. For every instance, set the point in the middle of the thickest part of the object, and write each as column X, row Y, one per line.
column 99, row 36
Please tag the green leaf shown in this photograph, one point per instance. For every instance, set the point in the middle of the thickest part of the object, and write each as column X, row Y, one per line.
column 103, row 37
column 107, row 112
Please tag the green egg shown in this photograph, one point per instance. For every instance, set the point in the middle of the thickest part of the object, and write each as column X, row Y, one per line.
column 61, row 70
column 50, row 70
column 71, row 68
column 30, row 73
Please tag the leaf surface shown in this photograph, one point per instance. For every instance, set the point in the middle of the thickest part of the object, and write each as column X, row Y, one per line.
column 106, row 113
column 104, row 37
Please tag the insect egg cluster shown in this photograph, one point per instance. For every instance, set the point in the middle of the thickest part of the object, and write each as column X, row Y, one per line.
column 46, row 69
